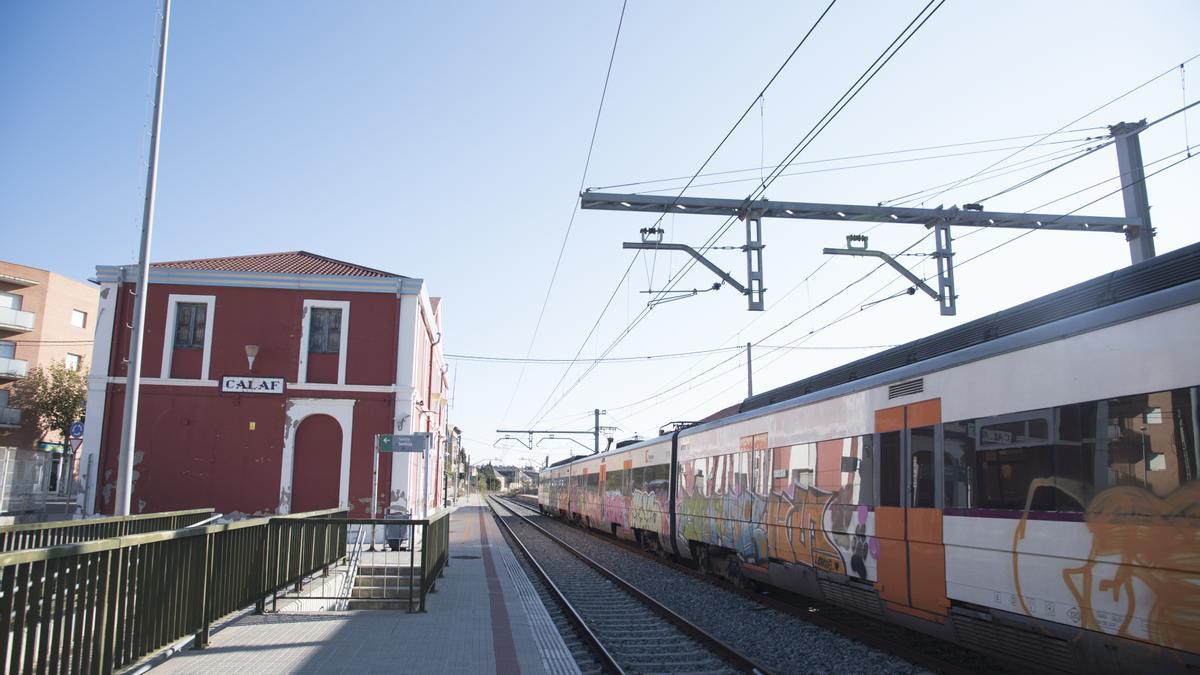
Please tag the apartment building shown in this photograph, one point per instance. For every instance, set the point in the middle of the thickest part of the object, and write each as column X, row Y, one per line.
column 44, row 317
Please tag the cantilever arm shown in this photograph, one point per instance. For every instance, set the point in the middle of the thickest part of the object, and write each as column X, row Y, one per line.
column 889, row 260
column 695, row 254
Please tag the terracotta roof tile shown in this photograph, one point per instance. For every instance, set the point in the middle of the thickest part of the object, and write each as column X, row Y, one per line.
column 291, row 262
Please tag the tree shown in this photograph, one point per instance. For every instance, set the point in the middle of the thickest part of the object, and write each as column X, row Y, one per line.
column 487, row 475
column 52, row 397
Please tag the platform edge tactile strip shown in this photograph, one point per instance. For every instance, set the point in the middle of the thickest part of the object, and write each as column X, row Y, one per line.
column 556, row 657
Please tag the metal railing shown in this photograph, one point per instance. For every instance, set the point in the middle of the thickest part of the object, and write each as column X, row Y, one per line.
column 60, row 532
column 102, row 605
column 434, row 544
column 352, row 561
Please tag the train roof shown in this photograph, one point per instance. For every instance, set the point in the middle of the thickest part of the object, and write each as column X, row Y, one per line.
column 1159, row 273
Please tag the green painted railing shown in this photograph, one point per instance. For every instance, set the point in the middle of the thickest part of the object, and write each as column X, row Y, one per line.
column 434, row 545
column 435, row 551
column 59, row 532
column 100, row 606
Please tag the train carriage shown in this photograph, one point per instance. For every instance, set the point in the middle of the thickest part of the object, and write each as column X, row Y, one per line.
column 1024, row 483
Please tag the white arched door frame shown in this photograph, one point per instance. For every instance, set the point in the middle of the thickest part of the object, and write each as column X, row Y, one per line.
column 340, row 409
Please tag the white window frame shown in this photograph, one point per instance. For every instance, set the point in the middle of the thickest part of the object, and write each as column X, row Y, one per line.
column 173, row 301
column 80, row 312
column 78, row 361
column 343, row 339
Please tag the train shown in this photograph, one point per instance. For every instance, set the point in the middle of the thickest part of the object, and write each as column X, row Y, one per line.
column 1024, row 484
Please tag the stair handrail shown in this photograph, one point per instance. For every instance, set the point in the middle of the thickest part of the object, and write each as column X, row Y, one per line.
column 343, row 602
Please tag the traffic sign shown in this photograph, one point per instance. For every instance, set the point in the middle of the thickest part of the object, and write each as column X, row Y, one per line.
column 75, row 443
column 402, row 442
column 76, row 430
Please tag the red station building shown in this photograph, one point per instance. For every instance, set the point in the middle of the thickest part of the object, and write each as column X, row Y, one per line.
column 265, row 379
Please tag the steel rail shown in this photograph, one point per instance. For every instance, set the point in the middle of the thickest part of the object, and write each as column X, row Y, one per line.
column 808, row 612
column 608, row 660
column 733, row 656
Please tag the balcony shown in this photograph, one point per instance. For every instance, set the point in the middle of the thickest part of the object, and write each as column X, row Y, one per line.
column 13, row 369
column 10, row 418
column 15, row 320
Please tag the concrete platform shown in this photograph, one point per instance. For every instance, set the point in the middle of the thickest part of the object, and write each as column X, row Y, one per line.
column 484, row 618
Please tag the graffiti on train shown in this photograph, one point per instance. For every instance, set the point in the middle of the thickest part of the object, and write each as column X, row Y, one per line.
column 616, row 505
column 647, row 511
column 797, row 524
column 1140, row 577
column 732, row 520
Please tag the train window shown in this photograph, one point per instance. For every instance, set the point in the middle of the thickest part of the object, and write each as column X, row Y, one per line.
column 802, row 464
column 593, row 480
column 862, row 479
column 921, row 442
column 740, row 464
column 1039, row 460
column 1149, row 440
column 958, row 450
column 658, row 479
column 712, row 474
column 638, row 478
column 761, row 472
column 890, row 453
column 614, row 481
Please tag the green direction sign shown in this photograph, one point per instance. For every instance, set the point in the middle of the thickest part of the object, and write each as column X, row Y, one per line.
column 402, row 442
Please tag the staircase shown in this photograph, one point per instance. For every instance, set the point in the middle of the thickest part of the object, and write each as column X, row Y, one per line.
column 384, row 587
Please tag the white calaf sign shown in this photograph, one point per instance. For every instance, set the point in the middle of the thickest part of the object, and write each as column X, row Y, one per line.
column 234, row 384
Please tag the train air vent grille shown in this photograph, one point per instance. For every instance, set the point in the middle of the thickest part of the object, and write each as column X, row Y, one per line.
column 906, row 388
column 1024, row 645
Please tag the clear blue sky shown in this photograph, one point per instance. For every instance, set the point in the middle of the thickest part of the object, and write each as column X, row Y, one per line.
column 447, row 140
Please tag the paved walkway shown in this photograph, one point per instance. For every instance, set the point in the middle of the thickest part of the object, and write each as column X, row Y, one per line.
column 484, row 618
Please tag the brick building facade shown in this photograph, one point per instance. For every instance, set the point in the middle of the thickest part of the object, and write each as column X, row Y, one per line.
column 323, row 354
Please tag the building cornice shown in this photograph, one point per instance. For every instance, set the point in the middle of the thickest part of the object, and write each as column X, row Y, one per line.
column 309, row 282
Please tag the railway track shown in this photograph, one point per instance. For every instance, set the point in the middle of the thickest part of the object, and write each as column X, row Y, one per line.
column 921, row 651
column 627, row 631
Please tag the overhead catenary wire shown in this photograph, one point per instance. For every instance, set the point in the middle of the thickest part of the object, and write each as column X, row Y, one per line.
column 642, row 314
column 863, row 80
column 571, row 221
column 1043, row 174
column 585, row 344
column 638, row 359
column 835, row 110
column 867, row 165
column 868, row 155
column 1068, row 124
column 847, row 97
column 868, row 75
column 983, row 177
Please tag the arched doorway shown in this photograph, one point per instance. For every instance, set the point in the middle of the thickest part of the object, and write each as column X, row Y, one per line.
column 316, row 468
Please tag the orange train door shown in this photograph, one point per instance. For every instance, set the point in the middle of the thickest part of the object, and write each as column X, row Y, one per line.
column 908, row 518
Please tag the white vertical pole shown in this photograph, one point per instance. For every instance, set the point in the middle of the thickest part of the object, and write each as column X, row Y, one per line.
column 375, row 482
column 374, row 489
column 749, row 373
column 133, row 381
